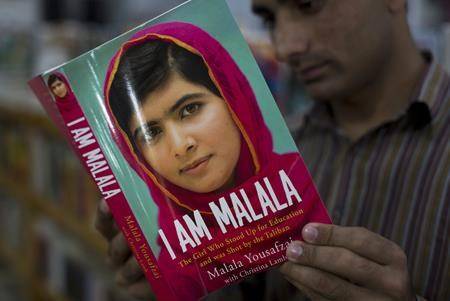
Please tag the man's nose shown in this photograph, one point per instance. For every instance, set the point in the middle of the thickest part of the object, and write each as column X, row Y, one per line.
column 181, row 141
column 291, row 36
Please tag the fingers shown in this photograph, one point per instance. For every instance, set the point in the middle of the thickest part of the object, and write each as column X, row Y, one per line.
column 322, row 285
column 140, row 290
column 339, row 261
column 129, row 273
column 363, row 257
column 118, row 250
column 359, row 240
column 306, row 291
column 104, row 221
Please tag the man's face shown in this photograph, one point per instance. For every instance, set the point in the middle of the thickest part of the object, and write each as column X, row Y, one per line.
column 335, row 47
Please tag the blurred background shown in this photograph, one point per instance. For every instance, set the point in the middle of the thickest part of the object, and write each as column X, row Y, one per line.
column 49, row 249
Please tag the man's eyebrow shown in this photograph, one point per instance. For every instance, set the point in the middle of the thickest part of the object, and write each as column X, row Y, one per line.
column 184, row 99
column 260, row 9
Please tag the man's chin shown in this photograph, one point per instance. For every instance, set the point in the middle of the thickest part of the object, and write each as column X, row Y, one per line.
column 319, row 93
column 323, row 90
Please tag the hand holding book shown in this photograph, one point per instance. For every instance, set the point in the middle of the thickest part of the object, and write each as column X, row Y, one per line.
column 129, row 274
column 347, row 263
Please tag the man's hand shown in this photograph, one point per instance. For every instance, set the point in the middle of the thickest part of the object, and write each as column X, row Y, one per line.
column 128, row 272
column 347, row 263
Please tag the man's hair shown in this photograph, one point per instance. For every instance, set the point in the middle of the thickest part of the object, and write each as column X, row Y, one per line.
column 146, row 67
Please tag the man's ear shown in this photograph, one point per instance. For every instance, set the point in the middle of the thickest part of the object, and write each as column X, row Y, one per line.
column 396, row 6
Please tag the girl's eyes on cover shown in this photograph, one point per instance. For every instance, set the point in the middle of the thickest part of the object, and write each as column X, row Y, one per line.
column 148, row 134
column 189, row 109
column 153, row 131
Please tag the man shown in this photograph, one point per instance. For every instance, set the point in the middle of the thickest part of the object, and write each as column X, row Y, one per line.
column 377, row 145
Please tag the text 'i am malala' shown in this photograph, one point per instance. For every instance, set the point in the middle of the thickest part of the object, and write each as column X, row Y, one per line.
column 240, row 211
column 93, row 157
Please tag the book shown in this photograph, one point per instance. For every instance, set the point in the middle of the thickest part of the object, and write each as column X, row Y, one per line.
column 178, row 129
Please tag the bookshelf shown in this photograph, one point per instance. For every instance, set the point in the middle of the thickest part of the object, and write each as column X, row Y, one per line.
column 47, row 208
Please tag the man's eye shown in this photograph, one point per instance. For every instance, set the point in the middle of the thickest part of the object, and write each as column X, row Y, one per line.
column 267, row 16
column 268, row 20
column 310, row 6
column 189, row 110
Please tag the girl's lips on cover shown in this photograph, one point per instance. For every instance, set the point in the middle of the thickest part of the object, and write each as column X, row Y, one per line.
column 196, row 166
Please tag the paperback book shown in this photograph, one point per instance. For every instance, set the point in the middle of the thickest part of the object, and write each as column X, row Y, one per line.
column 177, row 127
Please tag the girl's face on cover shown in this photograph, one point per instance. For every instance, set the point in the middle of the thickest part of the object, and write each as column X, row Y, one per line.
column 58, row 88
column 186, row 133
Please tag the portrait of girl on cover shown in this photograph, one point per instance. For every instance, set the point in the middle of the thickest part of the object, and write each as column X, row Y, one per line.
column 187, row 121
column 59, row 87
column 65, row 99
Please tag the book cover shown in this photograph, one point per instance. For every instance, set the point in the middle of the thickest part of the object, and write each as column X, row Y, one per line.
column 175, row 124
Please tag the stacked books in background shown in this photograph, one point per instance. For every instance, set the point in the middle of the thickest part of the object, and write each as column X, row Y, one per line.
column 47, row 205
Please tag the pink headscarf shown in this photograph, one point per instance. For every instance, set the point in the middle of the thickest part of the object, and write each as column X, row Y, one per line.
column 69, row 101
column 257, row 159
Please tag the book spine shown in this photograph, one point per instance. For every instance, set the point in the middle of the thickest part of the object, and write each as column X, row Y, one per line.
column 76, row 129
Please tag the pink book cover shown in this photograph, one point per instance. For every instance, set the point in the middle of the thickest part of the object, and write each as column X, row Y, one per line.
column 177, row 127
